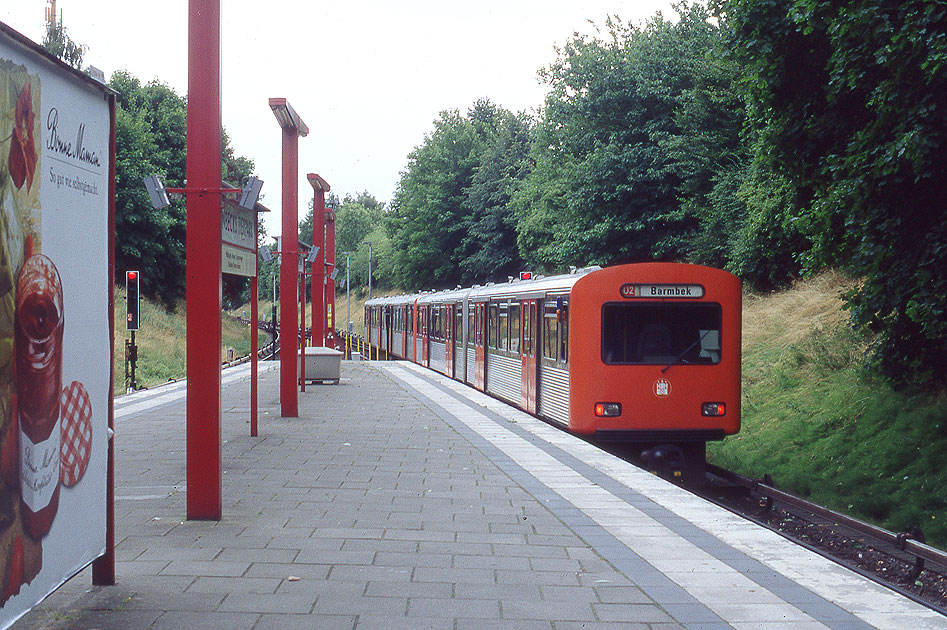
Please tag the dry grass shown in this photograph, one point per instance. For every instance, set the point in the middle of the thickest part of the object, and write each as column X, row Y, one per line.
column 787, row 317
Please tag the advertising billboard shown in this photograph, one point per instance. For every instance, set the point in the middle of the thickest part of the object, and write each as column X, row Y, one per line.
column 55, row 358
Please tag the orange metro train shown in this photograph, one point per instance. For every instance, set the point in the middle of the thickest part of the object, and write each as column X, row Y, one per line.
column 646, row 354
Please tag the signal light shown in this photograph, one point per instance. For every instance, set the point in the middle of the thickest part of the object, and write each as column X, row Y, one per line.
column 607, row 410
column 526, row 275
column 713, row 409
column 132, row 312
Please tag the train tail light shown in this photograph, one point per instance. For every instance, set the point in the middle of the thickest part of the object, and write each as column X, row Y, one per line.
column 608, row 410
column 713, row 409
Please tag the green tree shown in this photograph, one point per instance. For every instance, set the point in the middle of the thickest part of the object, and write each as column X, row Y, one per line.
column 57, row 42
column 151, row 137
column 605, row 183
column 849, row 103
column 488, row 249
column 426, row 222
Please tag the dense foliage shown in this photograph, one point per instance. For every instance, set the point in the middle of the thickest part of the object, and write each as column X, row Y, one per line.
column 850, row 101
column 450, row 221
column 151, row 137
column 770, row 138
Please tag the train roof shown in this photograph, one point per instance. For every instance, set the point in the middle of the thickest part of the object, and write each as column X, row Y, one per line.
column 535, row 287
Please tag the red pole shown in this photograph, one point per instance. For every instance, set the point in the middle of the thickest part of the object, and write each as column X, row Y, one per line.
column 330, row 283
column 319, row 189
column 254, row 351
column 289, row 315
column 203, row 290
column 318, row 267
column 302, row 332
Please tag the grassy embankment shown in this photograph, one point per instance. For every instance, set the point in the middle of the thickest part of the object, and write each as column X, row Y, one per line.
column 161, row 347
column 824, row 429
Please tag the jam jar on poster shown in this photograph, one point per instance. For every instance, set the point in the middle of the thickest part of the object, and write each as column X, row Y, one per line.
column 55, row 363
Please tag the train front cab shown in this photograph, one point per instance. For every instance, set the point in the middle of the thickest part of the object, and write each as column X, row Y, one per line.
column 655, row 357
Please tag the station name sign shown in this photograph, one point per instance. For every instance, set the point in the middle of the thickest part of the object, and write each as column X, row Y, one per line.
column 238, row 241
column 663, row 291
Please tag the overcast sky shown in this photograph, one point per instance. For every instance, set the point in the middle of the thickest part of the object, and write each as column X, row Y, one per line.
column 368, row 77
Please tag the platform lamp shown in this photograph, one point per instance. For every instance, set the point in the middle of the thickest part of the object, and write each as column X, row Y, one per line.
column 292, row 127
column 348, row 296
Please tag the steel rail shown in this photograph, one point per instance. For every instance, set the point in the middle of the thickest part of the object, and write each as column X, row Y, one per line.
column 904, row 541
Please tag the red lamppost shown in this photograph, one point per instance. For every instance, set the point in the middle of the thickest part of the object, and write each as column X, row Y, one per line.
column 203, row 292
column 319, row 188
column 330, row 278
column 293, row 127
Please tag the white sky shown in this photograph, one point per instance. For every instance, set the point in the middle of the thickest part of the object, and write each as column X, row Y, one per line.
column 368, row 77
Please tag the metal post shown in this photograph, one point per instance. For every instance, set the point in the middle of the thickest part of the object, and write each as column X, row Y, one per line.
column 273, row 356
column 318, row 289
column 203, row 290
column 292, row 127
column 133, row 362
column 254, row 353
column 369, row 269
column 348, row 297
column 330, row 283
column 302, row 331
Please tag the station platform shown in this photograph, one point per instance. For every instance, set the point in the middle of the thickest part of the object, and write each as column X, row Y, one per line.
column 400, row 499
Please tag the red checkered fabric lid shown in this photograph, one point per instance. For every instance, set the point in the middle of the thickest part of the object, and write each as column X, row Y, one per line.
column 76, row 414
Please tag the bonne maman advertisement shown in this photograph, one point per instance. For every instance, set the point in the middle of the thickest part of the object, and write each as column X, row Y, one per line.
column 55, row 363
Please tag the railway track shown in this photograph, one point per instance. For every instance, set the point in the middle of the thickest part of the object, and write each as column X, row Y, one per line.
column 900, row 561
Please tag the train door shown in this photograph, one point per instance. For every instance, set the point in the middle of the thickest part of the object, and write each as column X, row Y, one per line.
column 449, row 339
column 405, row 330
column 414, row 332
column 480, row 382
column 528, row 345
column 388, row 331
column 470, row 353
column 425, row 314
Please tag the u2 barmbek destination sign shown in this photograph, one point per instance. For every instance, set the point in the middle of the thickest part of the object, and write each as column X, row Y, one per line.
column 55, row 350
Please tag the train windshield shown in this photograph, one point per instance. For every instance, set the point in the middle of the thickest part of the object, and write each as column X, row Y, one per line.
column 661, row 333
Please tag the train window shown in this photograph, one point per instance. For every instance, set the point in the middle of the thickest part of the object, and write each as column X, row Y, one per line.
column 458, row 324
column 478, row 326
column 493, row 326
column 564, row 332
column 659, row 333
column 550, row 332
column 504, row 343
column 471, row 325
column 515, row 327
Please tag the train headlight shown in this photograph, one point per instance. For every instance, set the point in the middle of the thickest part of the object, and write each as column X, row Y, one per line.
column 713, row 409
column 608, row 410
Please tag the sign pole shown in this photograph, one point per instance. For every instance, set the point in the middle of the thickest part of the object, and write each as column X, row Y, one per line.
column 254, row 352
column 203, row 291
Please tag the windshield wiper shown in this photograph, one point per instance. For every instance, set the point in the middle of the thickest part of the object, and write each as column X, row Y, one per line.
column 681, row 355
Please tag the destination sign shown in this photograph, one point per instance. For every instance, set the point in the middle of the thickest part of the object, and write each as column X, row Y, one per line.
column 672, row 291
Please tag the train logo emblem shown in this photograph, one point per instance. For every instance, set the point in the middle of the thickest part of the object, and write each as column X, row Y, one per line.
column 662, row 387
